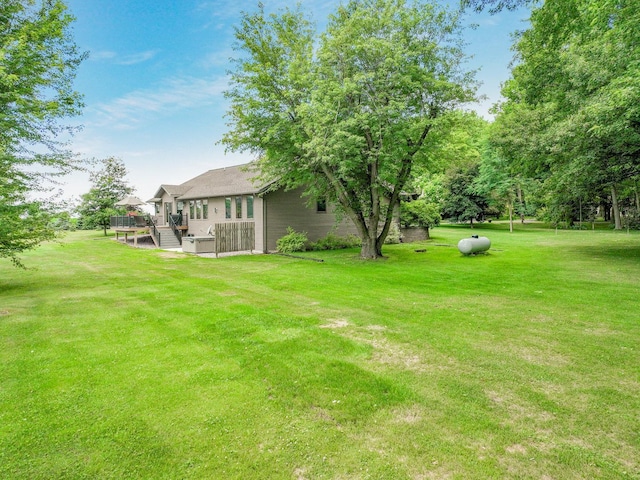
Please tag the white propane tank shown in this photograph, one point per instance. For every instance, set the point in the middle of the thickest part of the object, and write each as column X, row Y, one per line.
column 475, row 244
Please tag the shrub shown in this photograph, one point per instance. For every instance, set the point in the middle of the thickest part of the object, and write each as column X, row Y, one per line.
column 419, row 213
column 334, row 242
column 632, row 221
column 292, row 242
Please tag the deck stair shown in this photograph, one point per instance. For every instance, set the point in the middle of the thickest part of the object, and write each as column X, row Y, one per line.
column 167, row 238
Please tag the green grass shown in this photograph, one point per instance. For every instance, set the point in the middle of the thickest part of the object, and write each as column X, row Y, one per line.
column 130, row 363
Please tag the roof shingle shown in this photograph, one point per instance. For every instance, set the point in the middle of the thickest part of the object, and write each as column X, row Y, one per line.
column 220, row 182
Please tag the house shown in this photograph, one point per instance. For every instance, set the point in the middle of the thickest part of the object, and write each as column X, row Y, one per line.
column 228, row 197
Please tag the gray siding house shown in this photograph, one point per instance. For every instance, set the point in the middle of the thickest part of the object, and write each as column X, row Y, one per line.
column 229, row 194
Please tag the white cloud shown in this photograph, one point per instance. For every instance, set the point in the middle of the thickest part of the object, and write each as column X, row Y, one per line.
column 137, row 57
column 175, row 94
column 102, row 55
column 131, row 59
column 217, row 59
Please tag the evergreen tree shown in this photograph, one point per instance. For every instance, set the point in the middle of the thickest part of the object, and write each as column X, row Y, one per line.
column 463, row 203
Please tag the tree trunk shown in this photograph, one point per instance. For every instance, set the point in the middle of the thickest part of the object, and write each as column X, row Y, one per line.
column 511, row 217
column 606, row 212
column 616, row 208
column 370, row 249
column 368, row 233
column 580, row 215
column 520, row 202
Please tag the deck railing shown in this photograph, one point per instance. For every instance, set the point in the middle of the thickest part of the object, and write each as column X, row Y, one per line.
column 175, row 221
column 129, row 221
column 155, row 233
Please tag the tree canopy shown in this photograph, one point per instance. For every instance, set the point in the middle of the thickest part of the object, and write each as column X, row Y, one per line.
column 109, row 186
column 494, row 6
column 572, row 115
column 348, row 118
column 38, row 60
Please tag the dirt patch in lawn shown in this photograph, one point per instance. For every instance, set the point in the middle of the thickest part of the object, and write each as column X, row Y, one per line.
column 409, row 415
column 336, row 323
column 170, row 254
column 385, row 351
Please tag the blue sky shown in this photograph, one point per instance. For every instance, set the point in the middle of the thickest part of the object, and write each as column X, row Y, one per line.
column 156, row 71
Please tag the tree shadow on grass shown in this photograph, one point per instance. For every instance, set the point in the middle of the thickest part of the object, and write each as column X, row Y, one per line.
column 629, row 254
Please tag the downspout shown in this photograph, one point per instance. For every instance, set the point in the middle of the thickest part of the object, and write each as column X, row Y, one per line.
column 265, row 247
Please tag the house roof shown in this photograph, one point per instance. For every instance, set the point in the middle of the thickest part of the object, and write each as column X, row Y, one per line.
column 172, row 190
column 220, row 182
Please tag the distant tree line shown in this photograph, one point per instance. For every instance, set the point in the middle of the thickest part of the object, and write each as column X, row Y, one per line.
column 565, row 144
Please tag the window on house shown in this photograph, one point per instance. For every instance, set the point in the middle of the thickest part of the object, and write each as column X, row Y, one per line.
column 198, row 209
column 321, row 205
column 180, row 207
column 227, row 207
column 205, row 209
column 238, row 207
column 250, row 206
column 192, row 211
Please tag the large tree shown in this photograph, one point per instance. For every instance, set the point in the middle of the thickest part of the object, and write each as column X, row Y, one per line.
column 38, row 60
column 97, row 206
column 572, row 114
column 350, row 116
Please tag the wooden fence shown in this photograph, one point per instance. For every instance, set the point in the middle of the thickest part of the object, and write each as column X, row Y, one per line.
column 235, row 237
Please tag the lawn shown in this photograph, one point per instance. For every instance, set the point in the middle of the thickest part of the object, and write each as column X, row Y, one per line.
column 133, row 363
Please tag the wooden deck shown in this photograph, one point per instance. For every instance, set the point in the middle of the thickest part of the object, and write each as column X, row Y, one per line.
column 128, row 230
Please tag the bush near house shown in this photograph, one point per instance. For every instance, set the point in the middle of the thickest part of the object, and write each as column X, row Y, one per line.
column 292, row 242
column 335, row 242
